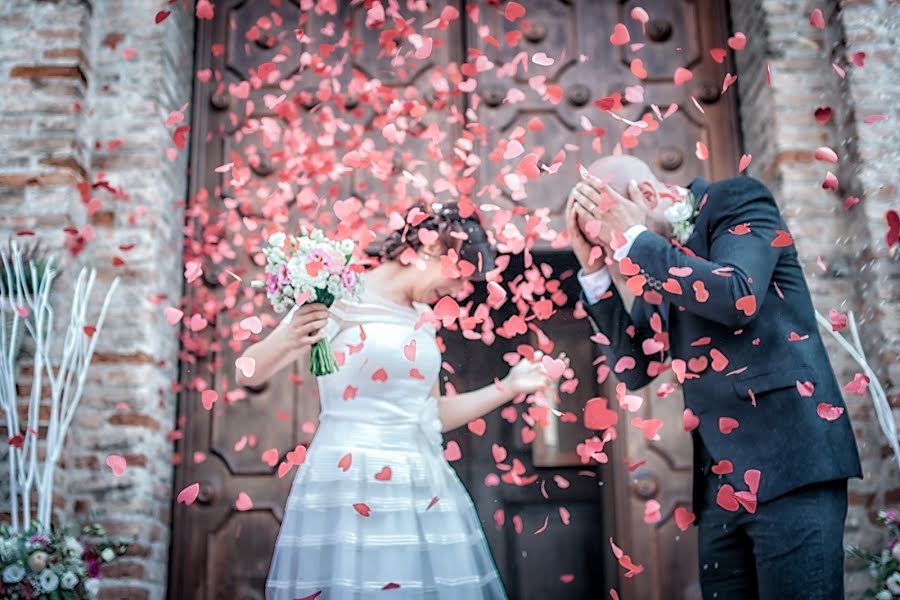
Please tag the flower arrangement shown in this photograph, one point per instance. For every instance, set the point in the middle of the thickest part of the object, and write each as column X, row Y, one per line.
column 46, row 564
column 885, row 565
column 310, row 268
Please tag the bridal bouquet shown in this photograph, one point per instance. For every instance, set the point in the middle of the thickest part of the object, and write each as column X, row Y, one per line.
column 310, row 268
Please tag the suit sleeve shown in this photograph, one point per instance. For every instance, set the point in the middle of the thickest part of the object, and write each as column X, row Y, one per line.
column 748, row 236
column 609, row 317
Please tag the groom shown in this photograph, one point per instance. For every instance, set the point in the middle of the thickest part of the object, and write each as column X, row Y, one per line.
column 721, row 300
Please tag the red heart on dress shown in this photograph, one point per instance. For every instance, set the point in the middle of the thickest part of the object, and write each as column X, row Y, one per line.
column 362, row 509
column 409, row 351
column 478, row 427
column 725, row 498
column 416, row 374
column 384, row 474
column 345, row 462
column 727, row 425
column 380, row 375
column 718, row 54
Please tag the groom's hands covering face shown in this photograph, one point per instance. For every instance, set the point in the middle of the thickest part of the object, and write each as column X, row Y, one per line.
column 596, row 201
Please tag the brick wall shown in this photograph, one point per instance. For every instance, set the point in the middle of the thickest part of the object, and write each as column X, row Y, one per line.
column 782, row 134
column 85, row 90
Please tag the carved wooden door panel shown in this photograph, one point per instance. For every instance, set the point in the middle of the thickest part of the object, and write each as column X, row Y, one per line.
column 548, row 105
column 267, row 153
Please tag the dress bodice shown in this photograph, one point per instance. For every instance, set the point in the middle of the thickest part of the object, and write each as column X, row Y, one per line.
column 389, row 362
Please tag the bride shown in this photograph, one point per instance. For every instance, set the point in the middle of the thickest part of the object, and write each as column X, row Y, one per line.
column 376, row 506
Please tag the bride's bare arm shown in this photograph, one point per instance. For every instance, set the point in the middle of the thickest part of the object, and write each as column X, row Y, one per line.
column 285, row 344
column 455, row 411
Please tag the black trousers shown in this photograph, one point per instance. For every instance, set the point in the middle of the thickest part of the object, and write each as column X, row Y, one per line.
column 791, row 547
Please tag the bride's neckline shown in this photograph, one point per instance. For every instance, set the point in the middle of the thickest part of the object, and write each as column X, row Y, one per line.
column 379, row 296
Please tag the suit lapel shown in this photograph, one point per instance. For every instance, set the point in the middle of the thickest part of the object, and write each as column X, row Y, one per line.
column 696, row 241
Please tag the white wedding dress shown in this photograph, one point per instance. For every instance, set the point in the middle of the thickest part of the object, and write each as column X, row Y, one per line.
column 376, row 511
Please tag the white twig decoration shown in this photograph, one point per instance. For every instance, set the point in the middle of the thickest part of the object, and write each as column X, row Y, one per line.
column 29, row 469
column 879, row 398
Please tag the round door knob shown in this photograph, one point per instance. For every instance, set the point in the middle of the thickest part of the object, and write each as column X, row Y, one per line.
column 644, row 483
column 220, row 100
column 707, row 92
column 266, row 42
column 308, row 98
column 671, row 158
column 536, row 33
column 578, row 94
column 493, row 95
column 659, row 30
column 351, row 102
column 208, row 492
column 263, row 167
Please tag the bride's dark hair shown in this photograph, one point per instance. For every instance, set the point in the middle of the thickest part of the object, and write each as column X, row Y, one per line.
column 465, row 235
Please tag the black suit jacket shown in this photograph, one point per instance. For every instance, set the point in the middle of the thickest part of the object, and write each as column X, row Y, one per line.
column 739, row 314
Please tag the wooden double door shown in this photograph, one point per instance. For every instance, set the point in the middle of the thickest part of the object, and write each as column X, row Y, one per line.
column 268, row 137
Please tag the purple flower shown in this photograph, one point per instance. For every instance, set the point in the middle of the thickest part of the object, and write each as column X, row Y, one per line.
column 93, row 568
column 39, row 539
column 348, row 278
column 271, row 283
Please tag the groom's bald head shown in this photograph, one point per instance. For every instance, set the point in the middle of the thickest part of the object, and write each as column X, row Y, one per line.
column 618, row 170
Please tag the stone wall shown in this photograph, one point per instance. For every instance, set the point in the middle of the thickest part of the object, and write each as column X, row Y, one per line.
column 857, row 271
column 85, row 91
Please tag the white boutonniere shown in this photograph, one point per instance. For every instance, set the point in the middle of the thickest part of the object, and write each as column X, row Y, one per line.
column 681, row 216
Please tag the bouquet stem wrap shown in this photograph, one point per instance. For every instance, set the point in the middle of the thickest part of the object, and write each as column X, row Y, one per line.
column 321, row 358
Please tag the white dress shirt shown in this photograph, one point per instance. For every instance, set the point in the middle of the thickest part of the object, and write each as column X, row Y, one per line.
column 597, row 283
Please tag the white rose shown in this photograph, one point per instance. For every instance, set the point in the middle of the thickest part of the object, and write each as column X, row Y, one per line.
column 92, row 587
column 108, row 555
column 73, row 546
column 49, row 580
column 277, row 239
column 13, row 573
column 68, row 581
column 884, row 595
column 679, row 212
column 895, row 551
column 893, row 582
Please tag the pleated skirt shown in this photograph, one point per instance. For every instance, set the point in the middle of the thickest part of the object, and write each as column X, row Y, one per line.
column 411, row 532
